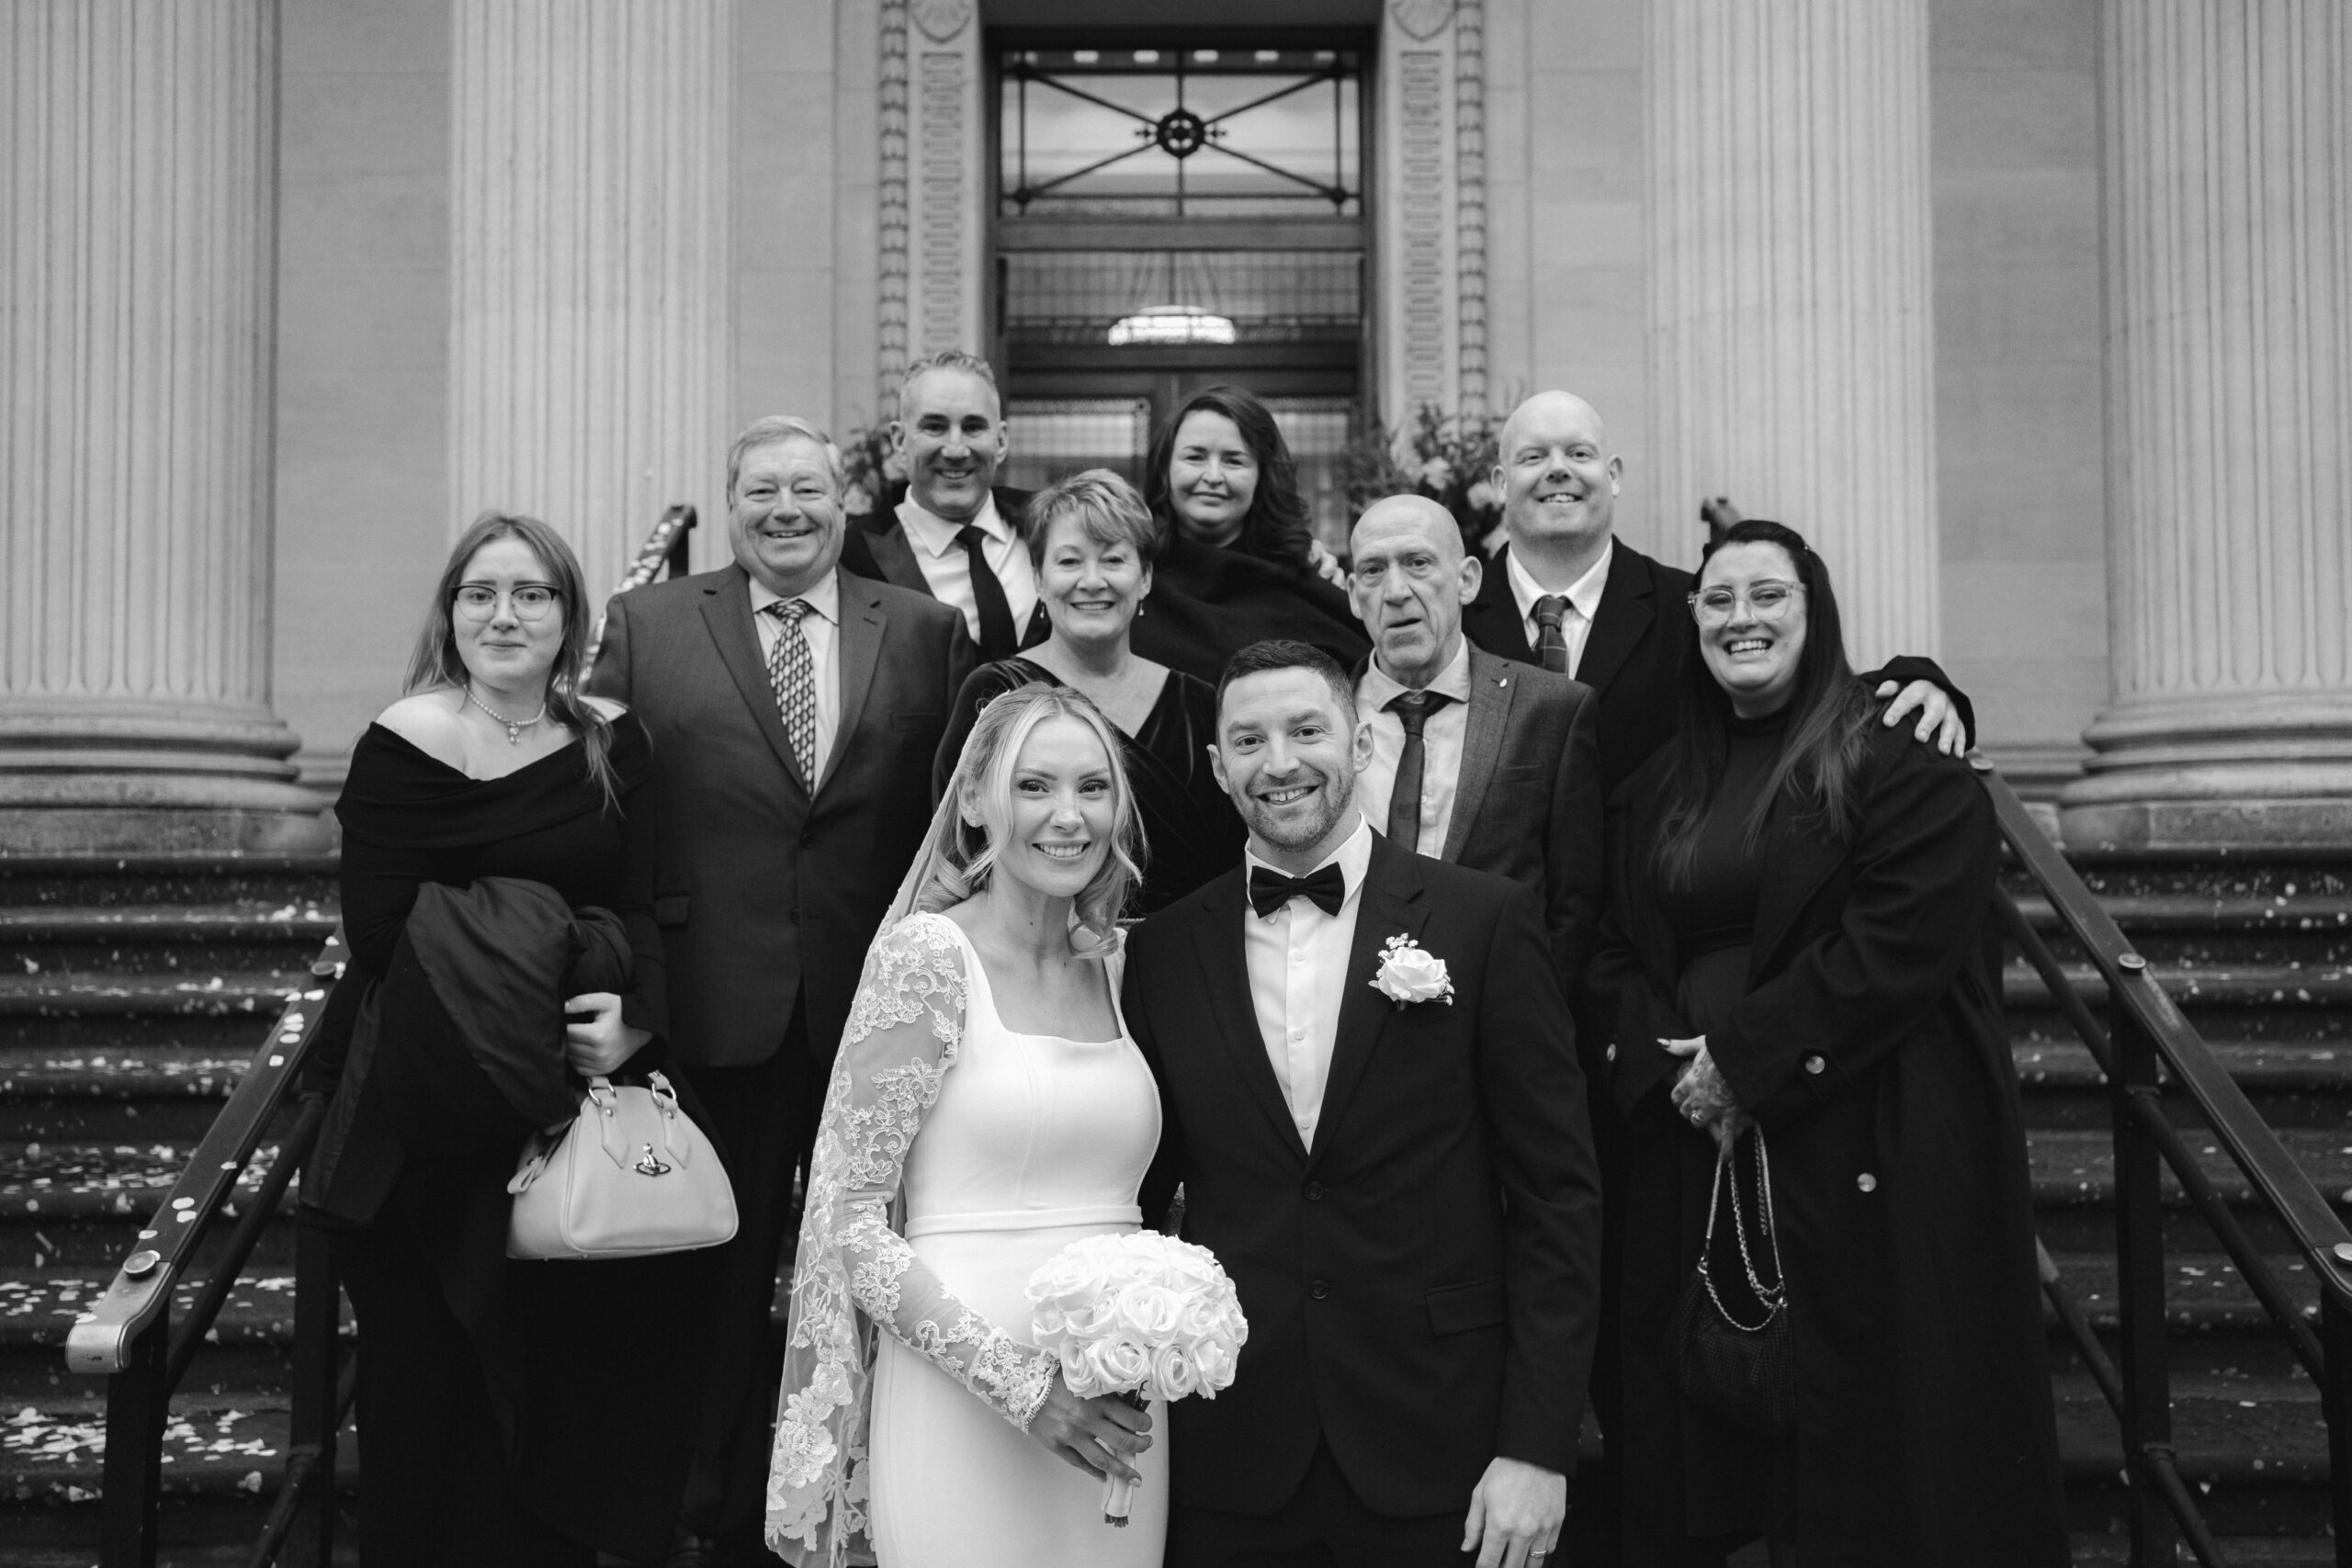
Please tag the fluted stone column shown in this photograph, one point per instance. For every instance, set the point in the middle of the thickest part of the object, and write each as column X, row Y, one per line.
column 1791, row 288
column 591, row 268
column 137, row 142
column 2229, row 283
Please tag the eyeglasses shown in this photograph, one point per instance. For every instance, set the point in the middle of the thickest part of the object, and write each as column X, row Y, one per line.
column 1767, row 601
column 531, row 601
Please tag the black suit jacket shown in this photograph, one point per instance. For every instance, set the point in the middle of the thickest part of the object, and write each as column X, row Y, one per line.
column 874, row 545
column 768, row 885
column 1634, row 655
column 1423, row 1284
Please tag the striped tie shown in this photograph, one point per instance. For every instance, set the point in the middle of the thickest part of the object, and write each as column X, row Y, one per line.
column 1552, row 640
column 794, row 675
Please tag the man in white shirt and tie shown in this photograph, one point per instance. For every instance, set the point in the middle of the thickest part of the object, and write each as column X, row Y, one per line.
column 1474, row 759
column 955, row 535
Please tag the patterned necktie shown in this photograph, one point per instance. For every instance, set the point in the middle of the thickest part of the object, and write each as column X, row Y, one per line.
column 793, row 674
column 1412, row 709
column 1552, row 641
column 998, row 639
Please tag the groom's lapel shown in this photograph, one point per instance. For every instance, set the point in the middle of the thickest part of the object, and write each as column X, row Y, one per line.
column 1217, row 932
column 1391, row 907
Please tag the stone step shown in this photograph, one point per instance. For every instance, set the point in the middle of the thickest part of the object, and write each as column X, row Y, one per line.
column 158, row 1093
column 2251, row 1001
column 219, row 1013
column 43, row 939
column 166, row 877
column 77, row 1205
column 2072, row 1172
column 2204, row 928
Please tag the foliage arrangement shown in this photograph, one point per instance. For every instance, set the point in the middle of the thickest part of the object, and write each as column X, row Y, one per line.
column 1448, row 457
column 871, row 469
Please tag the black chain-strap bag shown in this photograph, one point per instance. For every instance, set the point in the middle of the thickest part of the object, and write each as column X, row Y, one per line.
column 1744, row 1372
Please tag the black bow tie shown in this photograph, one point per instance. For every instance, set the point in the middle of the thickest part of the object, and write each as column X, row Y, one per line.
column 1327, row 889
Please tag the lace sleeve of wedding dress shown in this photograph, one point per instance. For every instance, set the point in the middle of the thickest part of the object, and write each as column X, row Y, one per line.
column 854, row 1272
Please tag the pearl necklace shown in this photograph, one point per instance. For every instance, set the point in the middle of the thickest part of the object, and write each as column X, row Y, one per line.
column 515, row 726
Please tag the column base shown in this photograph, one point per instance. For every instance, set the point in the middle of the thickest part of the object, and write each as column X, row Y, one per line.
column 77, row 777
column 2270, row 771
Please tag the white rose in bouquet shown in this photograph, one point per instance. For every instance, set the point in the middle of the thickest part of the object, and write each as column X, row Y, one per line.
column 1141, row 1315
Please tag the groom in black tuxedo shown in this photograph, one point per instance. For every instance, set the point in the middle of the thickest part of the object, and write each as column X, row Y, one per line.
column 1403, row 1190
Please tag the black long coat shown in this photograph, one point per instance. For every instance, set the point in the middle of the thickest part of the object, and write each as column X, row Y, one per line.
column 1870, row 1048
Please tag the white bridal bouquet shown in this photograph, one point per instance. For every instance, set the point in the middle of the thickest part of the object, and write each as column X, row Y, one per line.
column 1141, row 1315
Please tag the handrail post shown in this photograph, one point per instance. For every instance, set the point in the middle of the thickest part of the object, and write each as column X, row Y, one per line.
column 2335, row 1405
column 673, row 560
column 136, row 1415
column 2140, row 1290
column 318, row 1321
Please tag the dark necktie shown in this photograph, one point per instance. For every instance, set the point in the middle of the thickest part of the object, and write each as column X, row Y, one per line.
column 1552, row 641
column 1412, row 709
column 998, row 639
column 1327, row 889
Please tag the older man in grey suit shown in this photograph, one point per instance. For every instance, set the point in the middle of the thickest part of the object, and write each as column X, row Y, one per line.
column 1476, row 759
column 795, row 710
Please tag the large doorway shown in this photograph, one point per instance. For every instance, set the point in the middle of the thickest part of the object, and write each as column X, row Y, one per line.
column 1172, row 211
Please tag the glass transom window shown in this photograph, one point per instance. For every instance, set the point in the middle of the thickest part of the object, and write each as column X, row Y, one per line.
column 1138, row 132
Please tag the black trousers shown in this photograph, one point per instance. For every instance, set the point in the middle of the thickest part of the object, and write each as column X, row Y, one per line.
column 765, row 1119
column 1324, row 1525
column 436, row 1490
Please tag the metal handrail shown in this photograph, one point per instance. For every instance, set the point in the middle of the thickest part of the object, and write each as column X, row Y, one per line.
column 100, row 1339
column 2146, row 1044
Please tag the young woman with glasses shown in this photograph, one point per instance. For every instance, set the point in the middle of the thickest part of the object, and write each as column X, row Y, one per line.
column 501, row 948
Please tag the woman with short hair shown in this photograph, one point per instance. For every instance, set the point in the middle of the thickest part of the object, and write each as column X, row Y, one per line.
column 1091, row 539
column 1807, row 1050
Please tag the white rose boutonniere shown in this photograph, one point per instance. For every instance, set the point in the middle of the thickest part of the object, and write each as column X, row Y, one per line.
column 1410, row 973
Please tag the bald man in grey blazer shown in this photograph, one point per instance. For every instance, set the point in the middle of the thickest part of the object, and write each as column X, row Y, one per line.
column 1504, row 773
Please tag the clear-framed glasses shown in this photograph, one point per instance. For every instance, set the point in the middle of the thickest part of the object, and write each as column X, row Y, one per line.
column 1766, row 601
column 532, row 601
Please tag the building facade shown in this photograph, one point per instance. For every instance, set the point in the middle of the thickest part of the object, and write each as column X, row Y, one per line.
column 2036, row 315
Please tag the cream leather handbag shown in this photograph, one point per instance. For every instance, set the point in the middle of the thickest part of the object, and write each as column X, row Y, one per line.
column 630, row 1178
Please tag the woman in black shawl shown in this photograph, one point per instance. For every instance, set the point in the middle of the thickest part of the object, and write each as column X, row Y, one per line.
column 1791, row 966
column 510, row 1412
column 1090, row 539
column 1238, row 561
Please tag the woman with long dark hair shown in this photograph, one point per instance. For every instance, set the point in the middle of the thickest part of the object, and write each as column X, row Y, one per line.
column 1237, row 561
column 522, row 1413
column 1808, row 1051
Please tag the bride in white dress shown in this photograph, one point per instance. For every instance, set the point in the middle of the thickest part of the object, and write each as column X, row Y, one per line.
column 987, row 1108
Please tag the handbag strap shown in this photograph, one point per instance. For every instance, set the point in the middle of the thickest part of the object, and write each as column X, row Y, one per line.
column 1774, row 1296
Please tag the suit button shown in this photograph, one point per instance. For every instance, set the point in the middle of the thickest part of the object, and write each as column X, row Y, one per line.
column 807, row 840
column 1610, row 1054
column 1814, row 1063
column 1867, row 1182
column 1313, row 1191
column 1318, row 1289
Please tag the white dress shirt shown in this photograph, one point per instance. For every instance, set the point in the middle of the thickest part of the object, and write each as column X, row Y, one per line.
column 822, row 628
column 1442, row 736
column 948, row 569
column 1298, row 972
column 1583, row 596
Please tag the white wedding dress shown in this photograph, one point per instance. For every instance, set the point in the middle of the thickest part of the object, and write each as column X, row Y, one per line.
column 996, row 1150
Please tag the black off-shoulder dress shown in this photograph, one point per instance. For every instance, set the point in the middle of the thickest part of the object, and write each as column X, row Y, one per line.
column 509, row 1412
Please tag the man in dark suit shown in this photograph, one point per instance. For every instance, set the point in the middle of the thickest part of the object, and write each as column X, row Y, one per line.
column 1369, row 1091
column 1475, row 760
column 954, row 534
column 1565, row 595
column 794, row 710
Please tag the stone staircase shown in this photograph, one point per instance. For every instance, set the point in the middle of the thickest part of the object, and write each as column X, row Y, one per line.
column 132, row 992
